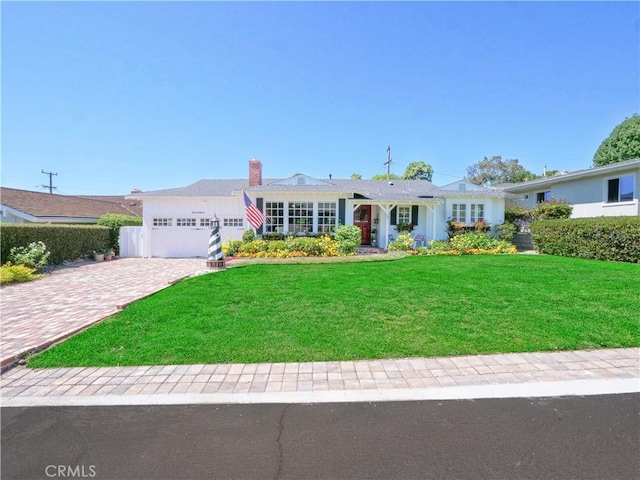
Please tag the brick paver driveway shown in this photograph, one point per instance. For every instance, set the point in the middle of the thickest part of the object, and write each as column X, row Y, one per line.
column 35, row 314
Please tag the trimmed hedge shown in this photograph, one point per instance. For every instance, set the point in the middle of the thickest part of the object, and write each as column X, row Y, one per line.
column 615, row 239
column 114, row 221
column 65, row 242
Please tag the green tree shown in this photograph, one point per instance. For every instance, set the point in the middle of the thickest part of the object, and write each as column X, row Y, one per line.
column 623, row 143
column 418, row 171
column 494, row 170
column 383, row 176
column 356, row 176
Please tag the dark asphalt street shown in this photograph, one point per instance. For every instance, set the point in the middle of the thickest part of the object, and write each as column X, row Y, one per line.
column 564, row 438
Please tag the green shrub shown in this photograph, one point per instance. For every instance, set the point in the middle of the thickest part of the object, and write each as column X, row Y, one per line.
column 348, row 238
column 35, row 255
column 516, row 213
column 113, row 222
column 16, row 273
column 403, row 243
column 551, row 209
column 276, row 246
column 231, row 247
column 65, row 242
column 604, row 238
column 273, row 236
column 506, row 231
column 253, row 247
column 310, row 246
column 436, row 246
column 470, row 244
column 248, row 235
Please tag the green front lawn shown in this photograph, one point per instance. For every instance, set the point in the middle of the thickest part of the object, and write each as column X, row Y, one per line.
column 415, row 306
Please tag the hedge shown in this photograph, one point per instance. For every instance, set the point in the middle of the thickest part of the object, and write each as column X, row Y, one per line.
column 114, row 221
column 614, row 239
column 65, row 242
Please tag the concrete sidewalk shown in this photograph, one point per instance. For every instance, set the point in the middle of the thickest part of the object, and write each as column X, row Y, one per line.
column 38, row 314
column 482, row 376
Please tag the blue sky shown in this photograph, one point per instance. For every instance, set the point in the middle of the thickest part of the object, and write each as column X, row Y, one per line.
column 113, row 96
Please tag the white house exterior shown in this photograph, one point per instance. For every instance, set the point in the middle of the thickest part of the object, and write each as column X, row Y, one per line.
column 610, row 190
column 176, row 222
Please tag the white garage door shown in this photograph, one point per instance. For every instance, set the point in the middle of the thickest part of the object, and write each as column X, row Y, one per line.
column 179, row 242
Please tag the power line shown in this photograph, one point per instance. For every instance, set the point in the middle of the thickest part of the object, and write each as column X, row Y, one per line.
column 50, row 187
column 388, row 162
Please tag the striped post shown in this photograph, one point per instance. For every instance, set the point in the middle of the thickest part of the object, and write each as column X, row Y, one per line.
column 215, row 256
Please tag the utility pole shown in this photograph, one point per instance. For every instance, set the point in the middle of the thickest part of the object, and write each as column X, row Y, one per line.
column 388, row 162
column 50, row 187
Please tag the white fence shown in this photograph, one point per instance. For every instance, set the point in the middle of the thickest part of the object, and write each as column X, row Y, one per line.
column 132, row 242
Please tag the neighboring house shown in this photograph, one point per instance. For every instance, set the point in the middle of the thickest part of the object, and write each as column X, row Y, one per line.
column 610, row 190
column 24, row 206
column 176, row 222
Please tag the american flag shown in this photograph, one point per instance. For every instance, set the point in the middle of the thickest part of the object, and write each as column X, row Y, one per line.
column 255, row 216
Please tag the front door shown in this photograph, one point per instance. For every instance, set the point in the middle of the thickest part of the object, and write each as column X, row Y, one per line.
column 362, row 219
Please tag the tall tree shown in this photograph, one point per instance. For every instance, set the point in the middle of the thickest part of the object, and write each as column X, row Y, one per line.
column 494, row 170
column 418, row 171
column 356, row 176
column 623, row 143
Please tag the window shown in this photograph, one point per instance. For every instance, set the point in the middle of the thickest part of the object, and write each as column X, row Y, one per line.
column 459, row 212
column 326, row 216
column 620, row 189
column 404, row 214
column 205, row 222
column 477, row 212
column 274, row 212
column 162, row 222
column 543, row 196
column 300, row 217
column 186, row 222
column 233, row 222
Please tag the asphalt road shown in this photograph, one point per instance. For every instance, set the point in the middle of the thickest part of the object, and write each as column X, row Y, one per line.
column 562, row 438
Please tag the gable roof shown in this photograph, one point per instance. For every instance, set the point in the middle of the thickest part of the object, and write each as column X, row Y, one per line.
column 53, row 206
column 564, row 177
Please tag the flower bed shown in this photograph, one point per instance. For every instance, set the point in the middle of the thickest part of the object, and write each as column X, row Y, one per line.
column 292, row 247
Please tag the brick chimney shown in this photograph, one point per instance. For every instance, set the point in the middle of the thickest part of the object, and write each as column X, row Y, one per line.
column 255, row 172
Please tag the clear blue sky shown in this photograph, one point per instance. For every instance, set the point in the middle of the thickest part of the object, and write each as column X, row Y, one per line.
column 152, row 95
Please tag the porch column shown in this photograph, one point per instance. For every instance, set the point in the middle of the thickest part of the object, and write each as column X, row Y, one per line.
column 387, row 211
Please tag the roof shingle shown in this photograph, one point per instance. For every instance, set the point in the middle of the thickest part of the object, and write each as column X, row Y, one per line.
column 38, row 204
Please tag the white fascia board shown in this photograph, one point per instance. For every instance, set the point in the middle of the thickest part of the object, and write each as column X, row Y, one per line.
column 18, row 213
column 596, row 171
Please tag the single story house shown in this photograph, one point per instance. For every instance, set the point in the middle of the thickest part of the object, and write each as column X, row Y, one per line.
column 24, row 206
column 610, row 190
column 177, row 221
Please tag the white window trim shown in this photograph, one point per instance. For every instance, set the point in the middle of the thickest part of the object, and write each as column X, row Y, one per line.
column 408, row 207
column 605, row 189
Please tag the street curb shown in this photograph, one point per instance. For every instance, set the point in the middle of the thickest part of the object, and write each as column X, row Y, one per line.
column 470, row 392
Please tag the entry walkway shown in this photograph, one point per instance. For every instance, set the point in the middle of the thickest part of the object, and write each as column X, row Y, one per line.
column 37, row 314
